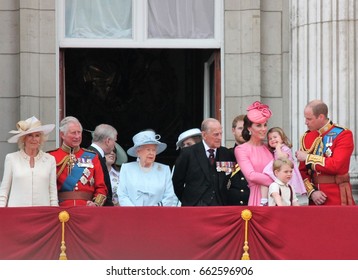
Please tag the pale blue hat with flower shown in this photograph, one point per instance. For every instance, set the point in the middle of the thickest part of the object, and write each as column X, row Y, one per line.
column 144, row 138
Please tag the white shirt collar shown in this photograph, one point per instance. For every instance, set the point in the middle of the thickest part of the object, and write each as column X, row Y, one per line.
column 207, row 148
column 99, row 149
column 278, row 181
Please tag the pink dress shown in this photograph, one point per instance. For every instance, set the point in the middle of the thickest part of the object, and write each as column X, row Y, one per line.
column 296, row 181
column 252, row 161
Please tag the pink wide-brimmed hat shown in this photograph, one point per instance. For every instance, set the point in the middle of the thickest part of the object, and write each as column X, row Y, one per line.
column 258, row 112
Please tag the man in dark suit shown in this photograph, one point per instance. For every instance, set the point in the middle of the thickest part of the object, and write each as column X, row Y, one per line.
column 238, row 191
column 104, row 139
column 199, row 180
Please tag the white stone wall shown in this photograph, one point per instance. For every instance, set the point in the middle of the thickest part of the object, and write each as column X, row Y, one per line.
column 256, row 60
column 27, row 66
column 9, row 73
column 324, row 63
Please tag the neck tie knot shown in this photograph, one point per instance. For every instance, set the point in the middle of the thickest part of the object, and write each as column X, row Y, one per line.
column 211, row 156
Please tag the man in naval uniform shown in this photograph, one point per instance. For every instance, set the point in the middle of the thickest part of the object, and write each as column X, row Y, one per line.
column 238, row 191
column 324, row 156
column 80, row 179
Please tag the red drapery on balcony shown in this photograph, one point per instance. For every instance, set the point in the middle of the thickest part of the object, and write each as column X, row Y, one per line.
column 201, row 233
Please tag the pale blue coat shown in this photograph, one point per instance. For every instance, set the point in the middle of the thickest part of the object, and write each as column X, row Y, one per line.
column 146, row 188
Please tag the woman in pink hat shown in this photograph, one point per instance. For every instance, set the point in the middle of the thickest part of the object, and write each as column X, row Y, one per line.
column 254, row 155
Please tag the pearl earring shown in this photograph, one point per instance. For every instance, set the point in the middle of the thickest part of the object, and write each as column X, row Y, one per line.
column 249, row 132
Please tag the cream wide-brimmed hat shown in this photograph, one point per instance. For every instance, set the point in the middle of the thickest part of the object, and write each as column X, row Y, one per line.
column 29, row 126
column 187, row 134
column 144, row 138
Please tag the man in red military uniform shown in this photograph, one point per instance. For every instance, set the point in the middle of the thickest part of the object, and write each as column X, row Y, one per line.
column 324, row 156
column 80, row 179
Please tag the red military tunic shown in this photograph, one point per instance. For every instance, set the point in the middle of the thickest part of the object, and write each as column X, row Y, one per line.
column 327, row 165
column 90, row 185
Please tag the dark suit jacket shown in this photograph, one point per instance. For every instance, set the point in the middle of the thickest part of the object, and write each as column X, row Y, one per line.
column 238, row 191
column 191, row 176
column 107, row 179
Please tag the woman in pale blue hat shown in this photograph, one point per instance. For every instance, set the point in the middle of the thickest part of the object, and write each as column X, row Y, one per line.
column 145, row 182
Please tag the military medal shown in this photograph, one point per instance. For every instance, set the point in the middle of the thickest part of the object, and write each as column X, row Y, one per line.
column 329, row 144
column 86, row 172
column 225, row 166
column 85, row 162
column 83, row 180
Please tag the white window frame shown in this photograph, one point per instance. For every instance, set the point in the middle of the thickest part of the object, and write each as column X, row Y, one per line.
column 139, row 36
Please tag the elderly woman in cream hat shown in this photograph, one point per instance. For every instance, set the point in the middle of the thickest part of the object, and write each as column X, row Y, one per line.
column 145, row 182
column 254, row 155
column 29, row 174
column 188, row 138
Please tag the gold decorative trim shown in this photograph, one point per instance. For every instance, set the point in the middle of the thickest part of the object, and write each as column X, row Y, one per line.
column 246, row 215
column 314, row 147
column 63, row 216
column 100, row 199
column 237, row 169
column 309, row 187
column 315, row 159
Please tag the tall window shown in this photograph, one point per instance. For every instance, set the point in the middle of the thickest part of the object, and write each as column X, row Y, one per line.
column 189, row 19
column 98, row 19
column 134, row 23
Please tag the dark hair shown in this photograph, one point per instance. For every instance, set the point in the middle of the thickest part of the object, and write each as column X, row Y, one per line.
column 236, row 119
column 245, row 132
column 114, row 165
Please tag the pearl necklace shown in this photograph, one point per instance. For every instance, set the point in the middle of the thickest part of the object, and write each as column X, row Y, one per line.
column 145, row 169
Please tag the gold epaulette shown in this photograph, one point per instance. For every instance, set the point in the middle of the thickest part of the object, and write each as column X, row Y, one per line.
column 100, row 199
column 309, row 187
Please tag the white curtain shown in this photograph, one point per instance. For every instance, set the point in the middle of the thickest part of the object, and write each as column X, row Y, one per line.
column 98, row 19
column 188, row 19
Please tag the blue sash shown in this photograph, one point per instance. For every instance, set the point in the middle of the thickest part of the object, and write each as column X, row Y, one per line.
column 76, row 174
column 329, row 138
